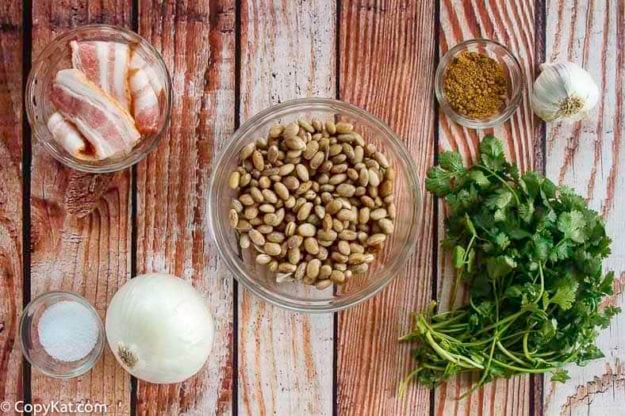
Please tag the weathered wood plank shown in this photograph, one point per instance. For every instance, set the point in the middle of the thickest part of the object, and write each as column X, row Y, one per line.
column 10, row 200
column 589, row 157
column 511, row 23
column 196, row 39
column 387, row 56
column 88, row 254
column 285, row 359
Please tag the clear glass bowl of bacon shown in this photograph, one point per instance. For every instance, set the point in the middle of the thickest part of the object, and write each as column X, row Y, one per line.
column 98, row 98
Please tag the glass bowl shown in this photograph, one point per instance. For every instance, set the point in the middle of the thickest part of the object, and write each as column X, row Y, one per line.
column 35, row 352
column 296, row 295
column 55, row 56
column 512, row 72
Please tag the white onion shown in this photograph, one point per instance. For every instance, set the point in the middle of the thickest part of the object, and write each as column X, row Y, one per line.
column 159, row 328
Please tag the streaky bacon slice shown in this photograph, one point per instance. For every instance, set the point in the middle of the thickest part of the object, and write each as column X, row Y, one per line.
column 67, row 136
column 137, row 62
column 106, row 64
column 145, row 104
column 145, row 88
column 99, row 117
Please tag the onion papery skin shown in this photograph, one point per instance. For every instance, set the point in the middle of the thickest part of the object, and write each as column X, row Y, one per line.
column 159, row 328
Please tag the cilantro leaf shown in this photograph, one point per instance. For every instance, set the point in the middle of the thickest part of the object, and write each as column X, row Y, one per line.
column 451, row 162
column 572, row 224
column 560, row 375
column 530, row 253
column 479, row 178
column 500, row 199
column 565, row 295
column 502, row 240
column 458, row 257
column 438, row 181
column 562, row 251
column 499, row 266
column 526, row 210
column 492, row 154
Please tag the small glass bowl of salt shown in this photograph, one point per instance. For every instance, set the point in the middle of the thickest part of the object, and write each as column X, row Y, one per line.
column 61, row 334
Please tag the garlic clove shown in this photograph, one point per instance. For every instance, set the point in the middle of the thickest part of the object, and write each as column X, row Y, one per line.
column 563, row 91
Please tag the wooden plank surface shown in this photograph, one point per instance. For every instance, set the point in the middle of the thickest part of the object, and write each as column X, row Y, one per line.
column 196, row 39
column 10, row 200
column 511, row 23
column 589, row 157
column 87, row 254
column 285, row 359
column 387, row 57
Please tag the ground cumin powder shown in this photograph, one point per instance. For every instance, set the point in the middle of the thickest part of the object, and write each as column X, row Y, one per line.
column 475, row 85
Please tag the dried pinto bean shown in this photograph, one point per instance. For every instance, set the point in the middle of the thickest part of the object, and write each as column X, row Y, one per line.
column 314, row 200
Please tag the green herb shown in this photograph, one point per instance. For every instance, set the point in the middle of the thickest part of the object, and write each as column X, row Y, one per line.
column 530, row 253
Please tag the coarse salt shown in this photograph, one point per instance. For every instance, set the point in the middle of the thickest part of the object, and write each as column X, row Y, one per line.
column 68, row 331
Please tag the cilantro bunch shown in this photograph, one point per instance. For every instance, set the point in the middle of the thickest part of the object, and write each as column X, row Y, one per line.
column 530, row 254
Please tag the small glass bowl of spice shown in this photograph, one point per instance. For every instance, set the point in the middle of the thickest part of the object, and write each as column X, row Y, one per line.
column 61, row 334
column 479, row 83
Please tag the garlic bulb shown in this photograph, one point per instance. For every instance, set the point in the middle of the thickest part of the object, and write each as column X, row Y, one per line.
column 563, row 91
column 159, row 328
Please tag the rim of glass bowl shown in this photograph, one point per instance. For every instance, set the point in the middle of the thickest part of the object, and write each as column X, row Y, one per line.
column 88, row 365
column 469, row 122
column 232, row 258
column 114, row 165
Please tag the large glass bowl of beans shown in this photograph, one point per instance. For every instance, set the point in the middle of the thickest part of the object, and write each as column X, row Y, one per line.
column 314, row 205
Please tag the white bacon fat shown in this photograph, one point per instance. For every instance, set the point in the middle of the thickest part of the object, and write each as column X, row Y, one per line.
column 96, row 98
column 137, row 62
column 67, row 136
column 145, row 88
column 106, row 64
column 98, row 117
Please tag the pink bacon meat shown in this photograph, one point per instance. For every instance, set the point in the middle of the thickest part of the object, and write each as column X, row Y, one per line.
column 106, row 64
column 99, row 118
column 145, row 89
column 67, row 136
column 138, row 63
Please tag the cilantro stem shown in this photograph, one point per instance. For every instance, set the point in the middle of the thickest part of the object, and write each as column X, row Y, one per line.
column 459, row 272
column 404, row 383
column 503, row 181
column 547, row 354
column 504, row 320
column 525, row 348
column 509, row 354
column 542, row 283
column 495, row 336
column 524, row 369
column 454, row 358
column 440, row 351
column 448, row 321
column 536, row 261
column 456, row 312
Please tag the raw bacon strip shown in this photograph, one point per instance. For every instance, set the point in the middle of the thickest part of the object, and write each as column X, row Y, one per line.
column 101, row 120
column 145, row 105
column 106, row 64
column 137, row 62
column 145, row 88
column 67, row 136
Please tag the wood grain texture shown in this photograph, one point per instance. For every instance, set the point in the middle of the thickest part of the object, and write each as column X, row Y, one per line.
column 510, row 23
column 285, row 358
column 589, row 157
column 196, row 39
column 87, row 254
column 10, row 200
column 387, row 58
